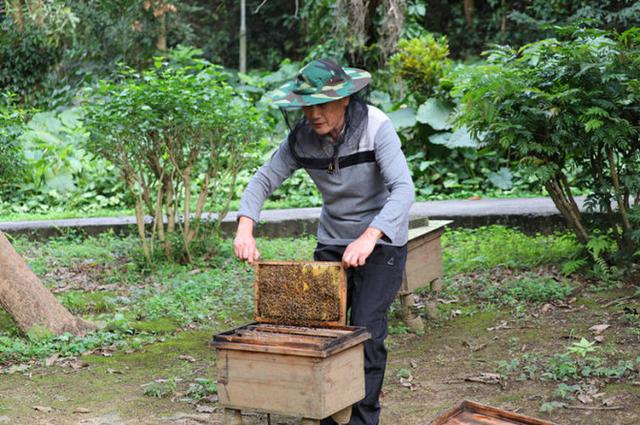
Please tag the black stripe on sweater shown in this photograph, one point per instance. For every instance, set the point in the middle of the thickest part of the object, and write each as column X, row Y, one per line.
column 343, row 161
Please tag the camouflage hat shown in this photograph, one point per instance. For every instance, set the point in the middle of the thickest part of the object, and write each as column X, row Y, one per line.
column 320, row 81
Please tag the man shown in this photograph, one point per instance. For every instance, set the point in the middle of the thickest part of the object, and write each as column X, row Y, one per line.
column 352, row 153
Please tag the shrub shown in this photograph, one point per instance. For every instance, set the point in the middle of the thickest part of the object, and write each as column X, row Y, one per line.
column 421, row 62
column 11, row 127
column 567, row 106
column 173, row 133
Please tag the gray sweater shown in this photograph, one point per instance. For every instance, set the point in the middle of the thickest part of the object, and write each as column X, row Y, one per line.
column 371, row 186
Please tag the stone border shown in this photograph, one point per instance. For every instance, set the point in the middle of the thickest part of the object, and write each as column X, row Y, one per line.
column 531, row 215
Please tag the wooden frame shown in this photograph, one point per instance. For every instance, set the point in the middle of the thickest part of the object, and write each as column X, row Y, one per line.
column 342, row 290
column 291, row 340
column 471, row 413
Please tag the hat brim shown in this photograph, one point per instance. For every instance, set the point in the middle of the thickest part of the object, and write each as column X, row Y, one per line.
column 284, row 96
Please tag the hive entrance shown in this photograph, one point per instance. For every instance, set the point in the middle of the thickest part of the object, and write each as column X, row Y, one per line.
column 301, row 293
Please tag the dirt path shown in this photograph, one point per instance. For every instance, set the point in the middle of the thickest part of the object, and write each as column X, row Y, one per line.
column 110, row 389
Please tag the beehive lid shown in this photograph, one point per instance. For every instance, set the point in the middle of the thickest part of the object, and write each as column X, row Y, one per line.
column 471, row 413
column 300, row 293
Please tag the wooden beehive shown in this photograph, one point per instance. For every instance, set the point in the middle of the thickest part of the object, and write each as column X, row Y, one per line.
column 291, row 370
column 471, row 413
column 299, row 359
column 303, row 293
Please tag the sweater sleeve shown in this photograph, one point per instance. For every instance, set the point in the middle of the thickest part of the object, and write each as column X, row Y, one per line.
column 266, row 180
column 397, row 178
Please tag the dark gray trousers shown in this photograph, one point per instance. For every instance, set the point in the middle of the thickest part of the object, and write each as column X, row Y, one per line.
column 371, row 290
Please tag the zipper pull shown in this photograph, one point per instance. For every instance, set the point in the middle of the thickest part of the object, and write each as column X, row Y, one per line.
column 330, row 168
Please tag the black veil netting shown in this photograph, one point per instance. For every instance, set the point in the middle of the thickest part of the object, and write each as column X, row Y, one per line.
column 313, row 151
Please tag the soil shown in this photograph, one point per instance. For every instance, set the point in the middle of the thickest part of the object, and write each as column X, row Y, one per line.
column 439, row 361
column 299, row 294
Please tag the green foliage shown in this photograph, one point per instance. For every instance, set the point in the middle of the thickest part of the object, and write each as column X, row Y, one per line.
column 160, row 388
column 484, row 248
column 202, row 388
column 31, row 43
column 12, row 120
column 533, row 289
column 421, row 62
column 57, row 171
column 175, row 133
column 582, row 348
column 544, row 105
column 574, row 368
column 519, row 23
column 403, row 373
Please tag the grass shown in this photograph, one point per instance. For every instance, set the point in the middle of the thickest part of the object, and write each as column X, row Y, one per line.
column 468, row 250
column 103, row 279
column 108, row 284
column 152, row 317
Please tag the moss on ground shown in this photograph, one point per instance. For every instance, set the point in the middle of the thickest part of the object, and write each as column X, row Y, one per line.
column 109, row 383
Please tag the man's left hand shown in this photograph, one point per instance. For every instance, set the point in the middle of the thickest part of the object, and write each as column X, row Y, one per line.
column 357, row 251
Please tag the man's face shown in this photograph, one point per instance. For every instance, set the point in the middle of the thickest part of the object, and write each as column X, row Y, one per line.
column 327, row 117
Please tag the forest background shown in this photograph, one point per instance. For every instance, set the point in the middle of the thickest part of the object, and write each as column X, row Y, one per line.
column 78, row 78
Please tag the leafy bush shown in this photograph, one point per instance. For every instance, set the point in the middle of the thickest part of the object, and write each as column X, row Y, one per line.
column 567, row 106
column 54, row 169
column 11, row 127
column 173, row 133
column 421, row 62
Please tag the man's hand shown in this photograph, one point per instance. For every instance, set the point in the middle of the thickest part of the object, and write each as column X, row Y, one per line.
column 357, row 251
column 244, row 245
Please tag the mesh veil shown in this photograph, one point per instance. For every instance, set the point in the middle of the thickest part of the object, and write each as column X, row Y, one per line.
column 313, row 151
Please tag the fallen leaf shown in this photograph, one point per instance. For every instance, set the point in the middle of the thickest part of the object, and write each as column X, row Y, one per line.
column 5, row 419
column 16, row 368
column 598, row 329
column 114, row 371
column 187, row 358
column 81, row 410
column 45, row 409
column 474, row 198
column 78, row 364
column 201, row 408
column 584, row 399
column 442, row 301
column 546, row 308
column 413, row 364
column 599, row 338
column 609, row 401
column 456, row 313
column 51, row 360
column 501, row 325
column 486, row 378
column 407, row 382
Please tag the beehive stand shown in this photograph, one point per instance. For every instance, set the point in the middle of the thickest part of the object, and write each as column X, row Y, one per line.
column 299, row 359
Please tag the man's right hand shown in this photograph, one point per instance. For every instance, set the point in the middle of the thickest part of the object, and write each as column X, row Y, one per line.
column 244, row 245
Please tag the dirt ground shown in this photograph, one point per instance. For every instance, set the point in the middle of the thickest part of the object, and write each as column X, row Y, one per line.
column 109, row 390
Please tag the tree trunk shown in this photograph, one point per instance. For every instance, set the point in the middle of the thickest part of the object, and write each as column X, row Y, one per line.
column 28, row 301
column 469, row 8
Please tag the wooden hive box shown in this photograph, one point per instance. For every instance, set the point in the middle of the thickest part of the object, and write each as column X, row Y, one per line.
column 471, row 413
column 424, row 257
column 299, row 359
